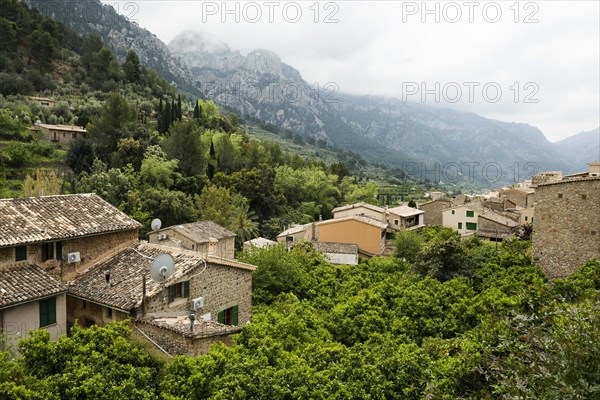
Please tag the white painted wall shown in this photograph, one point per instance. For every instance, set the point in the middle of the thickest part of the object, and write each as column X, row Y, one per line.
column 460, row 215
column 18, row 321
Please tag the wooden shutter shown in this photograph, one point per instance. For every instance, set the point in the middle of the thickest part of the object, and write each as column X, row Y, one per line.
column 235, row 315
column 171, row 293
column 221, row 317
column 186, row 289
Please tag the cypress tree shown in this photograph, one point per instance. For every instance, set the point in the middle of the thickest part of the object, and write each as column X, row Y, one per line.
column 179, row 115
column 159, row 119
column 166, row 121
column 196, row 113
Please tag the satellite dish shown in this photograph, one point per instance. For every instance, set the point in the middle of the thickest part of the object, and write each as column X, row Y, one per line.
column 162, row 268
column 156, row 224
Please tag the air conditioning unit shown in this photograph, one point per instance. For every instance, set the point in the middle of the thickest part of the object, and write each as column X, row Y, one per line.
column 73, row 257
column 198, row 303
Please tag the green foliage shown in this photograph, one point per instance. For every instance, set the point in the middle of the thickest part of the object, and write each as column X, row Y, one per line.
column 80, row 156
column 100, row 363
column 408, row 245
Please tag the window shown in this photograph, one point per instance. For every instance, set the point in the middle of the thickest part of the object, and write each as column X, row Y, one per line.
column 179, row 290
column 560, row 195
column 47, row 312
column 471, row 226
column 109, row 312
column 460, row 225
column 593, row 233
column 21, row 253
column 452, row 212
column 228, row 316
column 583, row 197
column 526, row 218
column 52, row 251
column 289, row 239
column 83, row 304
column 470, row 213
column 64, row 134
column 396, row 222
column 74, row 136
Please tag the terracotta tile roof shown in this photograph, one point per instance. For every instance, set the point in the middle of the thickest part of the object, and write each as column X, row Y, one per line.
column 127, row 269
column 23, row 283
column 569, row 180
column 67, row 128
column 201, row 232
column 37, row 219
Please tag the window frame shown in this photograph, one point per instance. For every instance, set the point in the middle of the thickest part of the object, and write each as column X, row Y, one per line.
column 470, row 214
column 471, row 226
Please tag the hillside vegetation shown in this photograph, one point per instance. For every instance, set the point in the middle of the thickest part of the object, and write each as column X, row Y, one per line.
column 384, row 329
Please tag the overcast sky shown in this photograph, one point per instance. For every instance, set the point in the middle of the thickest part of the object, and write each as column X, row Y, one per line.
column 543, row 56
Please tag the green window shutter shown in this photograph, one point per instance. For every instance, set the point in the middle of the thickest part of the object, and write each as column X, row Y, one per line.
column 47, row 312
column 186, row 289
column 471, row 226
column 171, row 293
column 460, row 225
column 235, row 315
column 20, row 253
column 221, row 317
column 452, row 212
column 470, row 213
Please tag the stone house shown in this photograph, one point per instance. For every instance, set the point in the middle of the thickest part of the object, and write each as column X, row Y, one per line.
column 476, row 219
column 433, row 211
column 405, row 217
column 198, row 236
column 121, row 288
column 45, row 241
column 76, row 257
column 361, row 209
column 566, row 232
column 297, row 233
column 63, row 134
column 519, row 196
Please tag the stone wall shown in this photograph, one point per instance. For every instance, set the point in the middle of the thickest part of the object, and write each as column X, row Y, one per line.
column 518, row 197
column 221, row 287
column 177, row 344
column 433, row 211
column 225, row 247
column 567, row 225
column 82, row 311
column 491, row 229
column 91, row 249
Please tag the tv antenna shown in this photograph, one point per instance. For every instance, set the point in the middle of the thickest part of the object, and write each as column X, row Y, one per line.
column 156, row 224
column 162, row 268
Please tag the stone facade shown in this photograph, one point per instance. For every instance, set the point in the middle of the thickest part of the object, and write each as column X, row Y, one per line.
column 91, row 249
column 521, row 197
column 433, row 211
column 175, row 343
column 87, row 313
column 567, row 225
column 222, row 287
column 224, row 247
